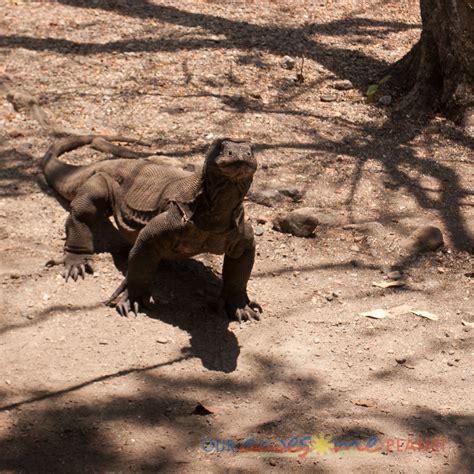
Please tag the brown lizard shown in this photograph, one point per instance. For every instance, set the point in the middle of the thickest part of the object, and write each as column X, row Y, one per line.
column 166, row 213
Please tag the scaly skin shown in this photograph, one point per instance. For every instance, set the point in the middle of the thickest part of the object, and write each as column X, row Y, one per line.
column 167, row 213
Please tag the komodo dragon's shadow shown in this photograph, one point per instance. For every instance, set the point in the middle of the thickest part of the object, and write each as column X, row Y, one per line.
column 186, row 293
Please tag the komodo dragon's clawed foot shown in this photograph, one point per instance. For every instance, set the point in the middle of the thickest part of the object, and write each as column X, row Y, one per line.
column 242, row 309
column 125, row 303
column 75, row 265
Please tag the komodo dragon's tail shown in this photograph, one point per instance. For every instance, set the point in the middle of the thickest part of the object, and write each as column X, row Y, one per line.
column 59, row 174
column 62, row 177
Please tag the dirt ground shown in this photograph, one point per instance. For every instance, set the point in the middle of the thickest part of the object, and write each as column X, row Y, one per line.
column 317, row 386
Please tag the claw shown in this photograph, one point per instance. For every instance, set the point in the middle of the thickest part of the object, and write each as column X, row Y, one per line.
column 254, row 305
column 53, row 262
column 135, row 308
column 82, row 270
column 122, row 287
column 74, row 273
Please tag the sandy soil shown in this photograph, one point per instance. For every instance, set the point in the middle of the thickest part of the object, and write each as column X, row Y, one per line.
column 85, row 390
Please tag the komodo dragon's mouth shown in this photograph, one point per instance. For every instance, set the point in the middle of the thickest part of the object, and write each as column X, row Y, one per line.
column 238, row 170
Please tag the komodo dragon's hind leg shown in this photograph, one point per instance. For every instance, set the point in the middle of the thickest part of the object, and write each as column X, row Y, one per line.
column 91, row 204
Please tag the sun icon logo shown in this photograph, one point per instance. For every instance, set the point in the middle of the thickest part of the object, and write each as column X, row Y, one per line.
column 322, row 443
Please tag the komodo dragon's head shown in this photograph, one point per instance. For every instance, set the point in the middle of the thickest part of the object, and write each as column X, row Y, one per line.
column 231, row 159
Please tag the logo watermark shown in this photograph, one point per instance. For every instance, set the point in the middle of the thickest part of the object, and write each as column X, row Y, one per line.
column 322, row 444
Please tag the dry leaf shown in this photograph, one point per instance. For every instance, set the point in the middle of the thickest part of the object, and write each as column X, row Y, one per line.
column 388, row 283
column 364, row 403
column 375, row 313
column 425, row 314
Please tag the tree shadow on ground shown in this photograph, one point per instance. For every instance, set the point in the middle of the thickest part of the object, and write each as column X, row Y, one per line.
column 64, row 429
column 302, row 41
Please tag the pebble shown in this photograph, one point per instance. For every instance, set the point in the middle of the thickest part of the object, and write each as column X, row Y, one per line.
column 395, row 275
column 401, row 360
column 424, row 239
column 265, row 197
column 385, row 100
column 293, row 193
column 259, row 230
column 343, row 85
column 328, row 98
column 300, row 222
column 288, row 62
column 355, row 248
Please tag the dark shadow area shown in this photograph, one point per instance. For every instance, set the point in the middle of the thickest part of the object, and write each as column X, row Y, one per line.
column 187, row 293
column 15, row 167
column 61, row 431
column 47, row 313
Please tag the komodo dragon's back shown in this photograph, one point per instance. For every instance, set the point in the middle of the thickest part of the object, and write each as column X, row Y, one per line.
column 143, row 182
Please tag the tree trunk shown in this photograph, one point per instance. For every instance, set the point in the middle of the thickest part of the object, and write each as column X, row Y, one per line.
column 438, row 73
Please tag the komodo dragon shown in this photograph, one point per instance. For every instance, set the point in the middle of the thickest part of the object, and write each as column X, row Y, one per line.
column 165, row 212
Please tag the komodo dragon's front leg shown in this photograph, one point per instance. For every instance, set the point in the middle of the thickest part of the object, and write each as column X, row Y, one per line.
column 91, row 204
column 238, row 263
column 154, row 242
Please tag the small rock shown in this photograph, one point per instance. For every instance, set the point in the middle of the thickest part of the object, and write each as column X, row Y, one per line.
column 259, row 230
column 343, row 85
column 329, row 296
column 265, row 197
column 451, row 352
column 316, row 340
column 328, row 98
column 355, row 248
column 385, row 100
column 401, row 360
column 451, row 364
column 424, row 239
column 300, row 222
column 15, row 133
column 395, row 275
column 288, row 62
column 272, row 462
column 293, row 193
column 162, row 340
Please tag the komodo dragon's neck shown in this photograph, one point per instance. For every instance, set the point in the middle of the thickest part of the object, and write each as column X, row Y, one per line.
column 218, row 206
